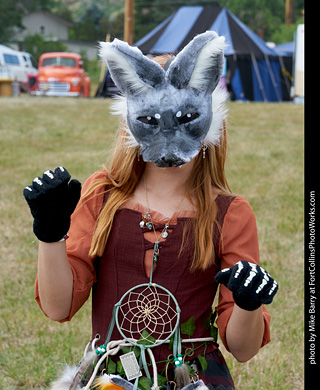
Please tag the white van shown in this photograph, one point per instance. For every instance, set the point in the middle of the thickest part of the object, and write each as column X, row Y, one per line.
column 16, row 65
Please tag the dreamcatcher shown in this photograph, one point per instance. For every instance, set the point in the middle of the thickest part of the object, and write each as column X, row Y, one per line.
column 146, row 316
column 147, row 313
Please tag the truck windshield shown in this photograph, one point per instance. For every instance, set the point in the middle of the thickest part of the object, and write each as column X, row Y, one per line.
column 11, row 59
column 62, row 61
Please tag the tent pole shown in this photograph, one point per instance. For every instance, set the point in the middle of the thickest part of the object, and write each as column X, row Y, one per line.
column 285, row 74
column 255, row 65
column 129, row 21
column 274, row 83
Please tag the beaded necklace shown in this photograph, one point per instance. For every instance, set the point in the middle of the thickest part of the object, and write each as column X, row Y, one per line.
column 146, row 221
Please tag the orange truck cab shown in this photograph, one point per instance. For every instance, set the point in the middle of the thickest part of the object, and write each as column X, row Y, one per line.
column 62, row 74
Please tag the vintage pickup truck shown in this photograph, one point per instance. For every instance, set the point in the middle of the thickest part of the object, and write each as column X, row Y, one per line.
column 62, row 74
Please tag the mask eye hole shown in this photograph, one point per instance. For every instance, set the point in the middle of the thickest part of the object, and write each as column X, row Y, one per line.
column 188, row 118
column 148, row 120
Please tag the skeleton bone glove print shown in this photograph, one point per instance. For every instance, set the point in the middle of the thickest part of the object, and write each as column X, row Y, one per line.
column 250, row 284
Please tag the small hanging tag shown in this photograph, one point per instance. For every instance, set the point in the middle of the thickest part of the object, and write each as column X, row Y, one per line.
column 130, row 366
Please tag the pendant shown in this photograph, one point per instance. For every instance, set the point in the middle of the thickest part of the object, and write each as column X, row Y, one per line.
column 164, row 233
column 143, row 222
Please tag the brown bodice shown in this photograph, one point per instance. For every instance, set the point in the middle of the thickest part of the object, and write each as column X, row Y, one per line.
column 122, row 267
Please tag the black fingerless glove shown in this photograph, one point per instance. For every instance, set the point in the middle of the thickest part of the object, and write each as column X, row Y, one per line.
column 250, row 284
column 52, row 199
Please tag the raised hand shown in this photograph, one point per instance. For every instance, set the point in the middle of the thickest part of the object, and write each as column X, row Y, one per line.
column 250, row 284
column 52, row 199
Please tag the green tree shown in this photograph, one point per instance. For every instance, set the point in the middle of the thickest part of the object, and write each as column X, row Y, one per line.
column 88, row 27
column 11, row 12
column 285, row 33
column 36, row 45
column 261, row 16
column 65, row 13
column 35, row 5
column 10, row 18
column 115, row 24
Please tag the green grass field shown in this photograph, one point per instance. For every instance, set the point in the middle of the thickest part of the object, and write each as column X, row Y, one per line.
column 265, row 165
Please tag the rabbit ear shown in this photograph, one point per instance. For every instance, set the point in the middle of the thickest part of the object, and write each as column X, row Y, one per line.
column 132, row 72
column 200, row 64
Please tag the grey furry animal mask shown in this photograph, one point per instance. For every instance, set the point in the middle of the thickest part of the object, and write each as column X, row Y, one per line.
column 170, row 113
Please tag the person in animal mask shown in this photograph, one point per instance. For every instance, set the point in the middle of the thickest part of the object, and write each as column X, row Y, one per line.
column 165, row 183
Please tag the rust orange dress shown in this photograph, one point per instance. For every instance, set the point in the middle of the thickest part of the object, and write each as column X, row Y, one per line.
column 127, row 261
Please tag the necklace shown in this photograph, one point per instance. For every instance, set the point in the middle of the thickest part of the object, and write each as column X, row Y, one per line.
column 146, row 221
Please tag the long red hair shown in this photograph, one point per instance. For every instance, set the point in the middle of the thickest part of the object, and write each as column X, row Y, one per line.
column 124, row 173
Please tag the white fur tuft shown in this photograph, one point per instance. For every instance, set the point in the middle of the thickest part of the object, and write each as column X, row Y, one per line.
column 65, row 380
column 219, row 114
column 119, row 107
column 204, row 62
column 129, row 76
column 131, row 141
column 71, row 375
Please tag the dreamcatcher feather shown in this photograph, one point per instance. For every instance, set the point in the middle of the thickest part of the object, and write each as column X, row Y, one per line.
column 114, row 382
column 71, row 375
column 181, row 376
column 65, row 380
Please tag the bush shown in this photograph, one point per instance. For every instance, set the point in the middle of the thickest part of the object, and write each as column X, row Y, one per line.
column 36, row 45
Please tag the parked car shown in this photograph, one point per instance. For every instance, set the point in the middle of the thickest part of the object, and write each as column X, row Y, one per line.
column 18, row 66
column 62, row 74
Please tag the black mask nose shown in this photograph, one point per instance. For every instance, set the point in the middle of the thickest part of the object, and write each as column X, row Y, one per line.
column 169, row 161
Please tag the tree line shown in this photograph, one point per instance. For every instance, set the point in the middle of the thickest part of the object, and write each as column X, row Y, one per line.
column 93, row 21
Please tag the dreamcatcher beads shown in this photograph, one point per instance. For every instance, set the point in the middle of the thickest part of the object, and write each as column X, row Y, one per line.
column 178, row 361
column 101, row 350
column 155, row 256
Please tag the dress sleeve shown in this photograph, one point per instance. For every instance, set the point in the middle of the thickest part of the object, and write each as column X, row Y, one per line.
column 78, row 245
column 239, row 241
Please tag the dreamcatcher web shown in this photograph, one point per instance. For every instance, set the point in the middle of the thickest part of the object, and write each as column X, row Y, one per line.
column 147, row 314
